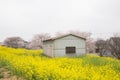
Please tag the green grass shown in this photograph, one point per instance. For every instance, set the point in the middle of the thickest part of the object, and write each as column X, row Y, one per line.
column 1, row 76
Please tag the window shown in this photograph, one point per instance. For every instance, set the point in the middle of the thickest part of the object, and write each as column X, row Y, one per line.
column 70, row 50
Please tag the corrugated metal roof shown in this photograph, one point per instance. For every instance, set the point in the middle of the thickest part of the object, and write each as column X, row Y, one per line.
column 58, row 37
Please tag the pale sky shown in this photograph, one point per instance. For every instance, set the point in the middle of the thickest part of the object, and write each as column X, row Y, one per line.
column 26, row 18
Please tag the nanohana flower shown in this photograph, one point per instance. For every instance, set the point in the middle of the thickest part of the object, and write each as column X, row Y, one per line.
column 32, row 65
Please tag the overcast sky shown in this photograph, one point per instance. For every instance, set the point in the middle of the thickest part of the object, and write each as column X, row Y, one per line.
column 26, row 18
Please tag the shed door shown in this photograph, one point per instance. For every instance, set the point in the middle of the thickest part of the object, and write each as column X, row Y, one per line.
column 70, row 50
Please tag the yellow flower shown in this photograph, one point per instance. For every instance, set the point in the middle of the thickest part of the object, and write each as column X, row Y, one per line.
column 32, row 65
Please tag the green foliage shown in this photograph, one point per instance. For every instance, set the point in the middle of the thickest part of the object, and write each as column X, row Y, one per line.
column 1, row 76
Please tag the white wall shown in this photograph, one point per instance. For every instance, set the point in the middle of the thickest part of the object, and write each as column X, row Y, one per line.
column 62, row 43
column 47, row 48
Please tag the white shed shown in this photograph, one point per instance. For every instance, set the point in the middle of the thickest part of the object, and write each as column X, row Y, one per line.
column 66, row 45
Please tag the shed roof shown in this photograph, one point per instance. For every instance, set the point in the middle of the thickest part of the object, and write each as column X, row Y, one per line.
column 54, row 38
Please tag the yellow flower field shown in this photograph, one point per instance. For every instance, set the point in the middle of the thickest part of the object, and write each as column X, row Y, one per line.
column 33, row 65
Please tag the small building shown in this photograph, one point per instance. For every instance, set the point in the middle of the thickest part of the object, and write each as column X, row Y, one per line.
column 66, row 45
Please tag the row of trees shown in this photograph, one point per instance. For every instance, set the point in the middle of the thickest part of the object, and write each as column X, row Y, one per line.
column 109, row 47
column 36, row 42
column 103, row 47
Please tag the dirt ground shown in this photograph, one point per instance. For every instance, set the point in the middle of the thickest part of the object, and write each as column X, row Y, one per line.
column 5, row 74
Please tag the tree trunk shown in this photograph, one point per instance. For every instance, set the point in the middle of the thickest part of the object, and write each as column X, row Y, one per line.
column 101, row 55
